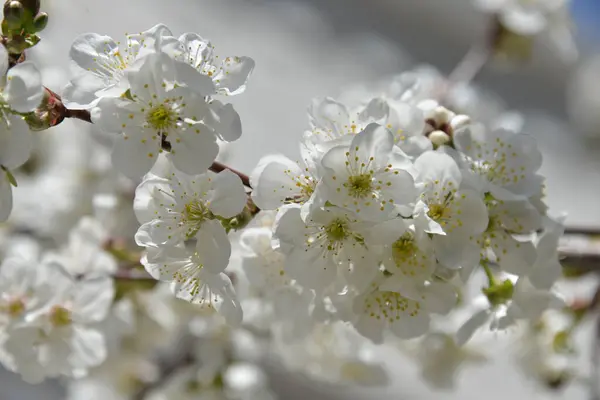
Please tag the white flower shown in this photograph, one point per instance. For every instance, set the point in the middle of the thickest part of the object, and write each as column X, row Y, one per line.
column 502, row 162
column 84, row 255
column 21, row 290
column 441, row 359
column 525, row 302
column 100, row 65
column 20, row 92
column 506, row 218
column 452, row 213
column 367, row 176
column 332, row 352
column 263, row 265
column 533, row 17
column 529, row 303
column 384, row 307
column 60, row 338
column 184, row 207
column 197, row 276
column 316, row 245
column 229, row 77
column 547, row 269
column 159, row 114
column 277, row 180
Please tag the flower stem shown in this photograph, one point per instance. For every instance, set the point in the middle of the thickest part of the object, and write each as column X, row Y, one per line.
column 468, row 68
column 489, row 274
column 218, row 167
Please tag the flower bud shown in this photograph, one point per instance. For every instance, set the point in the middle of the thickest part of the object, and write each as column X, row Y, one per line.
column 13, row 14
column 439, row 138
column 460, row 121
column 40, row 22
column 33, row 6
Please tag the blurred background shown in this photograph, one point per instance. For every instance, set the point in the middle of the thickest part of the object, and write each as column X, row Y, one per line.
column 308, row 48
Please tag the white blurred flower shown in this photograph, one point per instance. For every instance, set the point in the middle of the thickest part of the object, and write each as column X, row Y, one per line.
column 534, row 17
column 61, row 338
column 84, row 255
column 20, row 92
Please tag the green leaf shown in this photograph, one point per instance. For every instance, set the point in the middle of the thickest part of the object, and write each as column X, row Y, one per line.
column 10, row 176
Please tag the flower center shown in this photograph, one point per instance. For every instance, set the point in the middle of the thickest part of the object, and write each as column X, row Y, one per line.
column 437, row 212
column 161, row 118
column 337, row 230
column 194, row 214
column 14, row 308
column 60, row 316
column 359, row 186
column 403, row 248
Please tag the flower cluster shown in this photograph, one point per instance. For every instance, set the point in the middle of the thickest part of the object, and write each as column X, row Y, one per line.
column 416, row 211
column 397, row 202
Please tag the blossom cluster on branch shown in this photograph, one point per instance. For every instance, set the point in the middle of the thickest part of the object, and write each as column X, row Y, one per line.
column 162, row 273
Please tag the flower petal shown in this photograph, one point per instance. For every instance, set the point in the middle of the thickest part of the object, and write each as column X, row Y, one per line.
column 133, row 156
column 196, row 150
column 24, row 91
column 228, row 195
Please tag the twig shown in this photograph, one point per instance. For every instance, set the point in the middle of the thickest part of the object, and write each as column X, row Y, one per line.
column 218, row 167
column 468, row 68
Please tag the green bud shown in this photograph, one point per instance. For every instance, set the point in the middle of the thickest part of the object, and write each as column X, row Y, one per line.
column 9, row 176
column 13, row 15
column 499, row 293
column 40, row 22
column 33, row 6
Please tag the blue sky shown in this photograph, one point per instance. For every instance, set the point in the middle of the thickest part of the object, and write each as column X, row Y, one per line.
column 587, row 16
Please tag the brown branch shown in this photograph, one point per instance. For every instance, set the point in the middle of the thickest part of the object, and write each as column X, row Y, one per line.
column 218, row 167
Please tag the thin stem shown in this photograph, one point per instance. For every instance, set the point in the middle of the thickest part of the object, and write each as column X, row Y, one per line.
column 83, row 115
column 218, row 167
column 489, row 274
column 468, row 68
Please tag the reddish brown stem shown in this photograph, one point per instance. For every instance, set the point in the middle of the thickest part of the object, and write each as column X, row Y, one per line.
column 218, row 167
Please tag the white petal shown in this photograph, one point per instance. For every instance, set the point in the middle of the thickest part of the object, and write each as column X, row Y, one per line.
column 370, row 328
column 190, row 77
column 467, row 330
column 374, row 141
column 195, row 153
column 92, row 299
column 229, row 306
column 288, row 228
column 212, row 246
column 81, row 91
column 228, row 196
column 90, row 50
column 409, row 326
column 224, row 120
column 310, row 267
column 514, row 257
column 435, row 166
column 88, row 347
column 24, row 91
column 272, row 181
column 15, row 142
column 440, row 298
column 233, row 75
column 133, row 157
column 328, row 115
